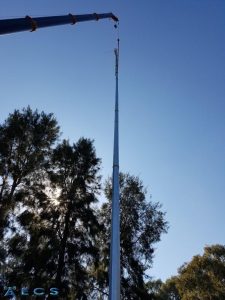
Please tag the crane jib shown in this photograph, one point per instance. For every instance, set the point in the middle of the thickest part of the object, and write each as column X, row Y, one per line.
column 28, row 23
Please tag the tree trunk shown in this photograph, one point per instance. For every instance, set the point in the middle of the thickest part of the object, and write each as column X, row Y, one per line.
column 62, row 249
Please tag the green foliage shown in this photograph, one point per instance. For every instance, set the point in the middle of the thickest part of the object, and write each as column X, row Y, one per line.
column 59, row 224
column 142, row 223
column 168, row 290
column 26, row 138
column 51, row 231
column 74, row 173
column 201, row 279
column 153, row 287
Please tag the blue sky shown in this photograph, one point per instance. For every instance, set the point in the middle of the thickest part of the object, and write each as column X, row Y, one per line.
column 172, row 101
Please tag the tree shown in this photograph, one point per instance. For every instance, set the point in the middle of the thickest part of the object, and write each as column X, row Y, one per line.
column 142, row 223
column 168, row 290
column 26, row 139
column 59, row 225
column 52, row 233
column 153, row 287
column 75, row 174
column 202, row 278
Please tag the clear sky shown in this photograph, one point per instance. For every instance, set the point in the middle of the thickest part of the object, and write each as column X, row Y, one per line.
column 172, row 101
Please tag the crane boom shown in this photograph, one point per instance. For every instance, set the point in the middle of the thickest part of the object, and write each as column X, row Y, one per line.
column 28, row 23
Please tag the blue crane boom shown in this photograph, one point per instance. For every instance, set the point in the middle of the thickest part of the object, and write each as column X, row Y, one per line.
column 28, row 23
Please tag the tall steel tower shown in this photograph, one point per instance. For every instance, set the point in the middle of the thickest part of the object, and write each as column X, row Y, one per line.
column 114, row 275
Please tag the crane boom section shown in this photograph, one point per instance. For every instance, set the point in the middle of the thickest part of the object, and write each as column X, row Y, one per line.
column 28, row 23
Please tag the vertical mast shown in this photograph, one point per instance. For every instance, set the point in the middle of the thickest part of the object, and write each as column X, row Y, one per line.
column 114, row 275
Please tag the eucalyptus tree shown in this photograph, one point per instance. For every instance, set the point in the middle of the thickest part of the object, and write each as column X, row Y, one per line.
column 168, row 290
column 26, row 140
column 142, row 223
column 202, row 278
column 54, row 233
column 57, row 242
column 74, row 174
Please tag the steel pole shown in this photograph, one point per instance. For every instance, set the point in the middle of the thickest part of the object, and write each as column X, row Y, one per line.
column 114, row 275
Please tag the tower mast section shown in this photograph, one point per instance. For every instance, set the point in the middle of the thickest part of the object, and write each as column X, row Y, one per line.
column 115, row 273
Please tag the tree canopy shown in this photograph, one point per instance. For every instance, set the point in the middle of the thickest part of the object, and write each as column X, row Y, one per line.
column 202, row 278
column 142, row 223
column 53, row 232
